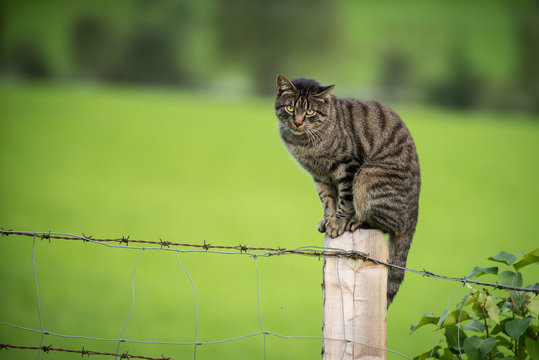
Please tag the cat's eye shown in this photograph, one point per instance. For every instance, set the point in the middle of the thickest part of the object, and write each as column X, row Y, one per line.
column 290, row 109
column 310, row 112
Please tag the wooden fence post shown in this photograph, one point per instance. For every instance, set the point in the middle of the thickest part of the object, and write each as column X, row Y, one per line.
column 359, row 288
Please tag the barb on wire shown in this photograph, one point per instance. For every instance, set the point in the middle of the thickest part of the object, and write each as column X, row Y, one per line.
column 5, row 232
column 314, row 251
column 46, row 236
column 124, row 240
column 165, row 243
column 83, row 352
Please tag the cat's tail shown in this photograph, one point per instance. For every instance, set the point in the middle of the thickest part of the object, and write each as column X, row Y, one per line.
column 399, row 245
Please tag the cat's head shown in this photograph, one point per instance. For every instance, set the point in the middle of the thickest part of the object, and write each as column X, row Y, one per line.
column 302, row 105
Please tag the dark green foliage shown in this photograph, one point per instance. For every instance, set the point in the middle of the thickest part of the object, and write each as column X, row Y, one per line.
column 504, row 322
column 26, row 59
column 269, row 36
column 150, row 50
column 458, row 54
column 524, row 18
column 396, row 73
column 461, row 87
column 90, row 41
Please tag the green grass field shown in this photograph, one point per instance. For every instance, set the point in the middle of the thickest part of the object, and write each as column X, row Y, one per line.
column 112, row 162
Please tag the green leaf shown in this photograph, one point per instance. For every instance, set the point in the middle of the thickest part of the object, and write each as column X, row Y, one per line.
column 503, row 257
column 517, row 280
column 443, row 316
column 492, row 309
column 506, row 278
column 535, row 286
column 471, row 347
column 533, row 348
column 509, row 278
column 520, row 299
column 530, row 258
column 506, row 307
column 477, row 349
column 454, row 316
column 496, row 354
column 486, row 346
column 515, row 328
column 533, row 306
column 427, row 354
column 499, row 328
column 522, row 354
column 468, row 299
column 447, row 355
column 454, row 336
column 476, row 307
column 474, row 326
column 425, row 320
column 504, row 341
column 478, row 271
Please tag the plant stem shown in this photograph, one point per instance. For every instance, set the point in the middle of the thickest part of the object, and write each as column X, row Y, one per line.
column 512, row 305
column 513, row 310
column 486, row 326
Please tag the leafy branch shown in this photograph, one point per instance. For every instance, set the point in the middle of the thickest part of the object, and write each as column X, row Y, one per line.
column 502, row 325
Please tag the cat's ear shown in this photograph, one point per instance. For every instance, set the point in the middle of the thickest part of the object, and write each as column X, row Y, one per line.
column 284, row 85
column 326, row 91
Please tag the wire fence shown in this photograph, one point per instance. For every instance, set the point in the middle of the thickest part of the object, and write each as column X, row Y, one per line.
column 252, row 252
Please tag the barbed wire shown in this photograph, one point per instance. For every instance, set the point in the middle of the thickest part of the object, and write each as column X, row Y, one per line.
column 253, row 252
column 314, row 251
column 125, row 355
column 83, row 352
column 200, row 343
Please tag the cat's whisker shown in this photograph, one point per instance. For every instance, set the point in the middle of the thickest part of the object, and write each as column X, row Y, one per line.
column 311, row 136
column 317, row 138
column 317, row 134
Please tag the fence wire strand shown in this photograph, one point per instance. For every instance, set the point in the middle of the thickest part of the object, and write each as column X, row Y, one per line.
column 37, row 299
column 314, row 251
column 196, row 304
column 458, row 321
column 132, row 305
column 441, row 321
column 253, row 252
column 342, row 308
column 258, row 301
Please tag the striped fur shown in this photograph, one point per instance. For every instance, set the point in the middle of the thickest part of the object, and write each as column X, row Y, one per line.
column 362, row 159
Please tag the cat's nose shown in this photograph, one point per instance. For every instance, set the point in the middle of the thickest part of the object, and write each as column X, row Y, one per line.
column 298, row 120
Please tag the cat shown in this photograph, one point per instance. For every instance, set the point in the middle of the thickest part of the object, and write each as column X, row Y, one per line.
column 363, row 162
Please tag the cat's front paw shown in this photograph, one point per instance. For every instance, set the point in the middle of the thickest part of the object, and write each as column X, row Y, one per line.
column 322, row 225
column 353, row 224
column 336, row 227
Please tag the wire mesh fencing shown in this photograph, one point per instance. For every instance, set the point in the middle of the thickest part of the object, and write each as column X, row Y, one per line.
column 195, row 342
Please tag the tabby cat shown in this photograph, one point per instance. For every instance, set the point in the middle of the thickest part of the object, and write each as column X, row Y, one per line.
column 362, row 159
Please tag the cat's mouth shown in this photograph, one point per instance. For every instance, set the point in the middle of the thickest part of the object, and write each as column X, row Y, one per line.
column 297, row 131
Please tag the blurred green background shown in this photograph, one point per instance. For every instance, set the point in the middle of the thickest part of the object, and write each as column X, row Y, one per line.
column 155, row 119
